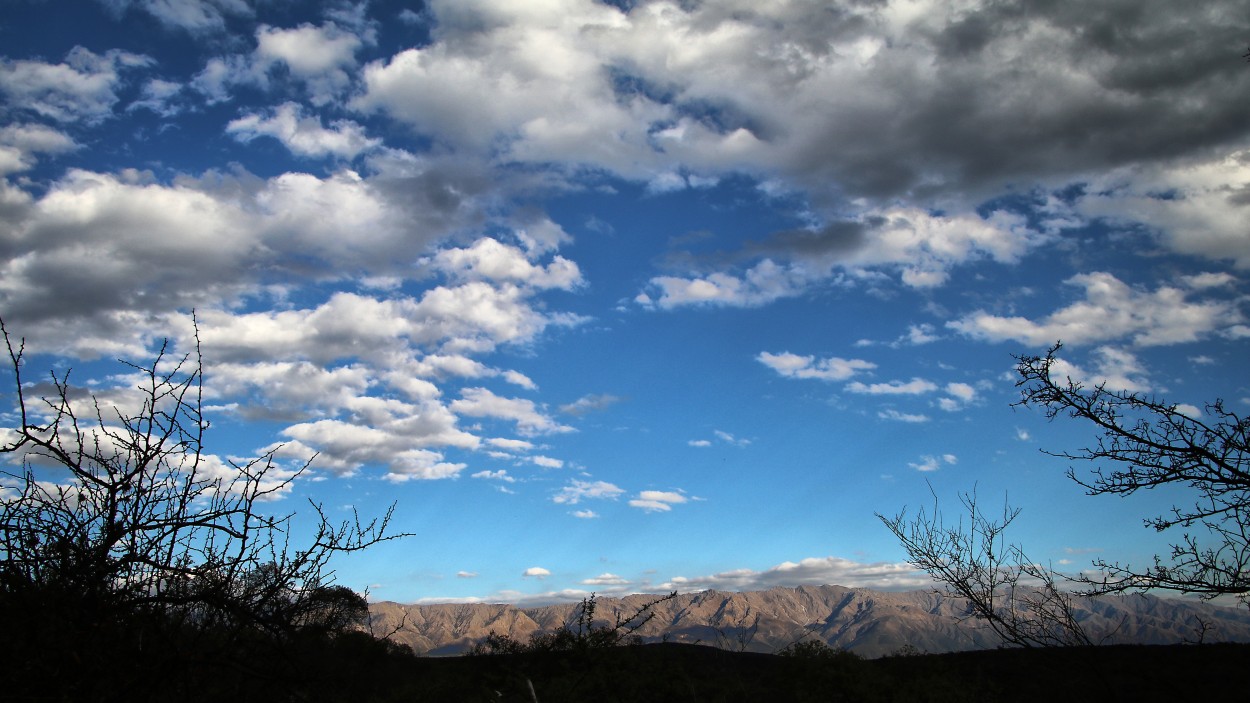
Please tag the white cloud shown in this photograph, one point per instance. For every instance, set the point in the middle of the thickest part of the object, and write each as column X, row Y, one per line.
column 1119, row 369
column 929, row 462
column 466, row 574
column 918, row 334
column 657, row 501
column 699, row 443
column 159, row 96
column 1195, row 208
column 20, row 143
column 585, row 514
column 1111, row 310
column 83, row 88
column 830, row 369
column 317, row 55
column 763, row 283
column 481, row 402
column 489, row 259
column 606, row 579
column 901, row 417
column 537, row 572
column 304, row 135
column 547, row 462
column 589, row 403
column 195, row 16
column 500, row 475
column 577, row 491
column 510, row 445
column 960, row 395
column 1189, row 410
column 916, row 386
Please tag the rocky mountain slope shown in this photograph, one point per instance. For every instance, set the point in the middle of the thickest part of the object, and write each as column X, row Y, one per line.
column 870, row 623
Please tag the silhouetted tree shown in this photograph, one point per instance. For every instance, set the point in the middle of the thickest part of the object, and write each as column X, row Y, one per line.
column 1143, row 443
column 1146, row 443
column 117, row 530
column 1017, row 598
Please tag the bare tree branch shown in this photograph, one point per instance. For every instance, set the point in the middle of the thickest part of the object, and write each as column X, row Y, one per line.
column 1146, row 443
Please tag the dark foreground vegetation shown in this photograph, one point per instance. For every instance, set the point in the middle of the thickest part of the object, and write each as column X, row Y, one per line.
column 356, row 667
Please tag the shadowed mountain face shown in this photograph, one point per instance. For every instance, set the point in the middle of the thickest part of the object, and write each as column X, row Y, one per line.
column 869, row 623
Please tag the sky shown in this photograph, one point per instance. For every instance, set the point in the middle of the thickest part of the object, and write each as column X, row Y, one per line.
column 638, row 296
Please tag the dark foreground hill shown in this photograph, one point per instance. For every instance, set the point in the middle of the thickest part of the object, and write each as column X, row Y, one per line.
column 868, row 623
column 677, row 672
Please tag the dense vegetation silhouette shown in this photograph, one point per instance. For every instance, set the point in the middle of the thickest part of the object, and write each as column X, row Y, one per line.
column 134, row 565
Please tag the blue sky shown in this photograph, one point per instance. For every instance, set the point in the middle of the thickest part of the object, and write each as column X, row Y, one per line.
column 638, row 296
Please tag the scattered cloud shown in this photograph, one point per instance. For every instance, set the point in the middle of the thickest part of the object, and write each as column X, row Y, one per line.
column 82, row 88
column 303, row 135
column 481, row 402
column 657, row 501
column 916, row 386
column 606, row 579
column 590, row 403
column 577, row 491
column 830, row 369
column 1111, row 311
column 536, row 572
column 897, row 416
column 933, row 463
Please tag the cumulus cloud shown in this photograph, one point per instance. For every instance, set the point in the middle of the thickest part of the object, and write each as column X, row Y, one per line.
column 82, row 88
column 830, row 369
column 304, row 135
column 481, row 402
column 320, row 59
column 536, row 572
column 882, row 99
column 1118, row 368
column 1194, row 208
column 1111, row 310
column 490, row 259
column 958, row 396
column 20, row 145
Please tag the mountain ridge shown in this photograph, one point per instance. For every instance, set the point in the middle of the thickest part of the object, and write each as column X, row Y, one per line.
column 867, row 622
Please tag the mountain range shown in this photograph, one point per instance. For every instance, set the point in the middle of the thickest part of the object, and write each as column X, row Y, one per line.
column 869, row 623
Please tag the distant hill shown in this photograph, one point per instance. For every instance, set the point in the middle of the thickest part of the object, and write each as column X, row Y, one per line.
column 869, row 623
